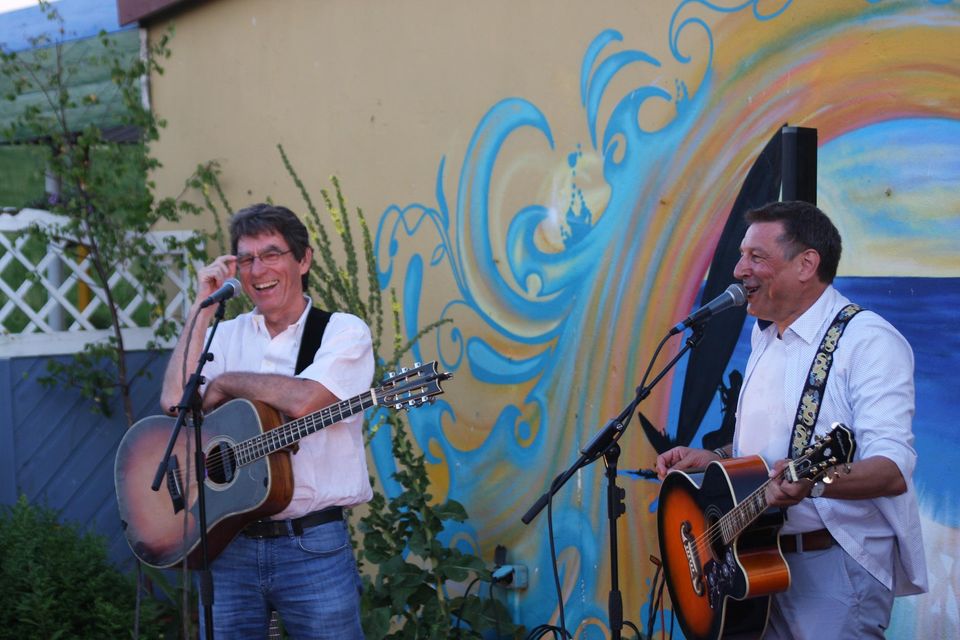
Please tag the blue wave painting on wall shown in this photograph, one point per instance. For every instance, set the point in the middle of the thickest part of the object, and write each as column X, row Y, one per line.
column 557, row 303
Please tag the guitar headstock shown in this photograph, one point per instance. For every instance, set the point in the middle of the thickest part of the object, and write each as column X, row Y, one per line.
column 411, row 387
column 826, row 452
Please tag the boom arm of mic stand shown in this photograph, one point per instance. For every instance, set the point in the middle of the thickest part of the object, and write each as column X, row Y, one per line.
column 558, row 482
column 611, row 432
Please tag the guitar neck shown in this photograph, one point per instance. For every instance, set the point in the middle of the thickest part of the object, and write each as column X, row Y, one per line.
column 292, row 432
column 736, row 521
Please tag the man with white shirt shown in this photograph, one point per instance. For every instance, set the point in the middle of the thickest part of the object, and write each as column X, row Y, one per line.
column 854, row 543
column 299, row 562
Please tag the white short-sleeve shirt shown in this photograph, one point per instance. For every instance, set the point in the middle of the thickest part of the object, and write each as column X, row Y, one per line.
column 330, row 467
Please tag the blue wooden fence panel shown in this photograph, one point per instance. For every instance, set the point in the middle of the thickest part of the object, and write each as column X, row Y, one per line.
column 8, row 492
column 58, row 453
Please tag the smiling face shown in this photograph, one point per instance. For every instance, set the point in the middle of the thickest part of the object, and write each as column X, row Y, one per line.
column 779, row 287
column 276, row 289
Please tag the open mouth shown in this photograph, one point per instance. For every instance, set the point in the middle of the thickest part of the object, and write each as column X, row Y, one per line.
column 263, row 286
column 750, row 290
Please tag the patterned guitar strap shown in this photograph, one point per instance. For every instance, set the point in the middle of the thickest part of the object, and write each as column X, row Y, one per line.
column 813, row 389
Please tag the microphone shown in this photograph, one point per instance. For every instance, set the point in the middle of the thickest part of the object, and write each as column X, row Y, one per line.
column 229, row 289
column 734, row 296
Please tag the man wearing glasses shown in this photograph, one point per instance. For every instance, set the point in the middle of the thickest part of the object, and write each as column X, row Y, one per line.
column 299, row 562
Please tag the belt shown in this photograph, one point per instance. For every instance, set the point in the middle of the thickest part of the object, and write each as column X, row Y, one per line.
column 279, row 528
column 810, row 541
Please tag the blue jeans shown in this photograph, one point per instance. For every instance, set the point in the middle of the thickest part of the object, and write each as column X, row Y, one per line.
column 310, row 580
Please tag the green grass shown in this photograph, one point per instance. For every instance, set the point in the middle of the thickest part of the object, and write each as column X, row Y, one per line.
column 21, row 176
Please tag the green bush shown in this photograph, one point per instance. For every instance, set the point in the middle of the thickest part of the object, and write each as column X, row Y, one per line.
column 56, row 582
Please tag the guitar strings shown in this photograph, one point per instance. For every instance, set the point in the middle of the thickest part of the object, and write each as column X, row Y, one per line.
column 284, row 435
column 715, row 531
column 273, row 440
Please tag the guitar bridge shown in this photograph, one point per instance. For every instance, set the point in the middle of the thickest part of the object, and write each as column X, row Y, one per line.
column 175, row 484
column 693, row 557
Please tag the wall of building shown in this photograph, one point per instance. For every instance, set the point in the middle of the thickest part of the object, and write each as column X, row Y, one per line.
column 554, row 178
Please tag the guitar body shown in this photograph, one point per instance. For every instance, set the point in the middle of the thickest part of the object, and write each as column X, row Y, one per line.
column 719, row 590
column 162, row 527
column 247, row 469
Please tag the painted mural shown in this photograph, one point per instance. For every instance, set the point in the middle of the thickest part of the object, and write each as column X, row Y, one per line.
column 560, row 293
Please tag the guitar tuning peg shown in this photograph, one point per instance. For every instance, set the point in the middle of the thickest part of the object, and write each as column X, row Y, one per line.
column 416, row 364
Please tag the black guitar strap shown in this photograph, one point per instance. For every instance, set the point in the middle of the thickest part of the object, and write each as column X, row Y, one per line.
column 809, row 407
column 313, row 330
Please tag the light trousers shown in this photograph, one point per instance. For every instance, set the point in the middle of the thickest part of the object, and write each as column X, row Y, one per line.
column 831, row 597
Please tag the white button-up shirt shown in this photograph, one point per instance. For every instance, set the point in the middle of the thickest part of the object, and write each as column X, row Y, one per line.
column 870, row 390
column 330, row 467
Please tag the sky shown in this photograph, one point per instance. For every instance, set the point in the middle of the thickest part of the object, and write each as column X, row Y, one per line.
column 21, row 19
column 13, row 5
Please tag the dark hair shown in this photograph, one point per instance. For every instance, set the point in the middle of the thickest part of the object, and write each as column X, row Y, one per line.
column 804, row 227
column 258, row 219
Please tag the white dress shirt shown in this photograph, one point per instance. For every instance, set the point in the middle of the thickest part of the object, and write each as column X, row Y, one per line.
column 330, row 467
column 870, row 390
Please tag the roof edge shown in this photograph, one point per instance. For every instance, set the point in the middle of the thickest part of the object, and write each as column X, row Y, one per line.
column 142, row 11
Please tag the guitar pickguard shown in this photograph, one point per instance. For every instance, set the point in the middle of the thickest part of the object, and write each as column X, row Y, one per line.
column 720, row 577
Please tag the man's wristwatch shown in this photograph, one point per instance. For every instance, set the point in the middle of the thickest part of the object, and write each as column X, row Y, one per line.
column 818, row 488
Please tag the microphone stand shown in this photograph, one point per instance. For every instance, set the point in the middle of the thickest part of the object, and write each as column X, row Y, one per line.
column 191, row 403
column 604, row 444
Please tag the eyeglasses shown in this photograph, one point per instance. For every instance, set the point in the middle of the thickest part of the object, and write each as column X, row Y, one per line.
column 268, row 258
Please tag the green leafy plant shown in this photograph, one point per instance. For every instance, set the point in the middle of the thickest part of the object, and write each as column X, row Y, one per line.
column 56, row 582
column 104, row 194
column 413, row 580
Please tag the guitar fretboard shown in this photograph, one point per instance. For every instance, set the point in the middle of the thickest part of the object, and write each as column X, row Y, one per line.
column 292, row 432
column 735, row 521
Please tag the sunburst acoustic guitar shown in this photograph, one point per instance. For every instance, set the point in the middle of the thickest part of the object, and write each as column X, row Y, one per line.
column 719, row 539
column 248, row 474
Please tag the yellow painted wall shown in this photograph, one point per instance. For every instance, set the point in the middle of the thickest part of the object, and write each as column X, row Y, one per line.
column 374, row 92
column 591, row 153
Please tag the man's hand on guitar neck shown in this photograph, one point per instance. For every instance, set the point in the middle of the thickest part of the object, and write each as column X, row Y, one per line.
column 783, row 493
column 873, row 477
column 682, row 458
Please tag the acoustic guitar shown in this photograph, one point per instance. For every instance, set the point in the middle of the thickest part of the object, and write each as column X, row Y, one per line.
column 719, row 539
column 248, row 473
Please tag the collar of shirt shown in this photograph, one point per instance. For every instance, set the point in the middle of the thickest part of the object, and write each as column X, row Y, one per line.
column 260, row 324
column 811, row 323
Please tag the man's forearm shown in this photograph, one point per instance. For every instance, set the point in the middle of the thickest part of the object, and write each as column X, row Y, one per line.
column 873, row 477
column 294, row 397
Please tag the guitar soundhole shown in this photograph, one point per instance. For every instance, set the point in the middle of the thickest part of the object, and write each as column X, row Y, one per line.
column 221, row 464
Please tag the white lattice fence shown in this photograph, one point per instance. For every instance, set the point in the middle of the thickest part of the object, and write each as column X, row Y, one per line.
column 50, row 304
